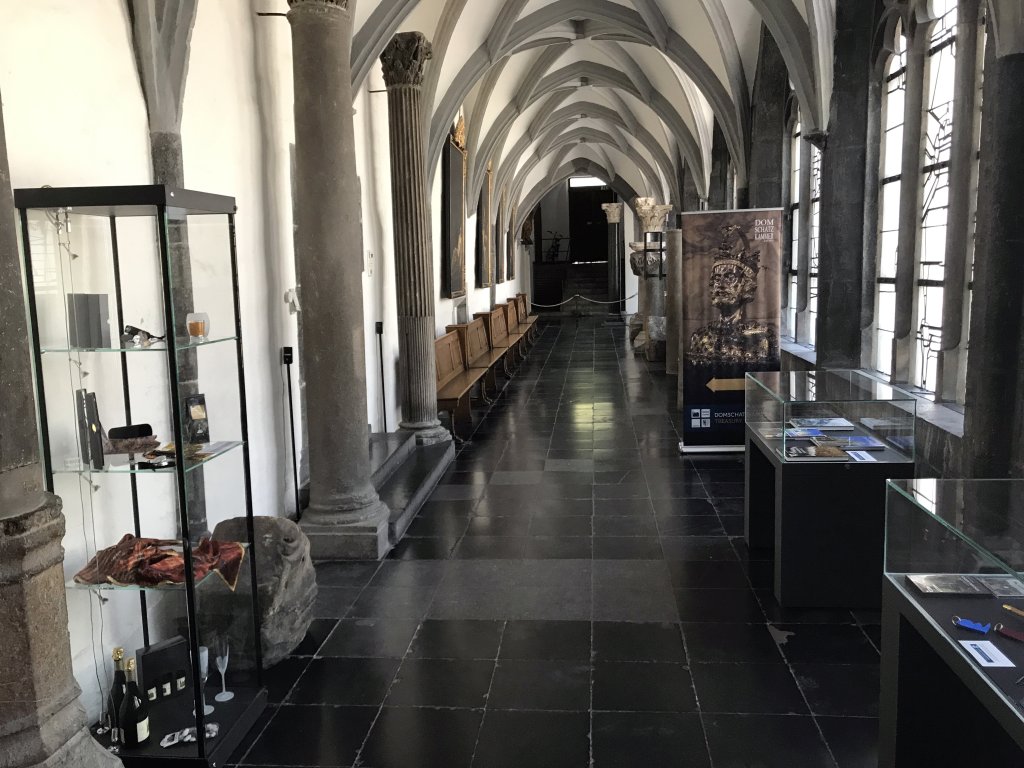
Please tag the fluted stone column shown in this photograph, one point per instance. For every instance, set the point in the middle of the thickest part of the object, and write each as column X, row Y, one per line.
column 345, row 517
column 652, row 219
column 613, row 211
column 42, row 722
column 674, row 297
column 403, row 61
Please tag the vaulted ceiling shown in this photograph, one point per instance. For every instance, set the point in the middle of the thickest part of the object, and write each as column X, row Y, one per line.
column 622, row 89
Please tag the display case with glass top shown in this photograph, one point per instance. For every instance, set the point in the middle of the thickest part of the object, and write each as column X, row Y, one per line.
column 953, row 614
column 831, row 415
column 135, row 323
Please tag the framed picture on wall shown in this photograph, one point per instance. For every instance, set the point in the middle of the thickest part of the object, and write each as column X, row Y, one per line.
column 453, row 217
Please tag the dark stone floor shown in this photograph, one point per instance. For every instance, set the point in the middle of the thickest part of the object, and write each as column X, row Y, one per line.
column 574, row 594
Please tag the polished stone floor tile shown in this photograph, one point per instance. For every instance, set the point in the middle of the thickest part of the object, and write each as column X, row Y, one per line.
column 842, row 690
column 546, row 640
column 345, row 574
column 718, row 605
column 577, row 525
column 327, row 737
column 627, row 548
column 420, row 737
column 730, row 643
column 490, row 547
column 423, row 549
column 439, row 525
column 540, row 685
column 625, row 641
column 319, row 630
column 631, row 739
column 621, row 507
column 767, row 741
column 341, row 682
column 777, row 613
column 334, row 602
column 467, row 639
column 376, row 638
column 747, row 689
column 825, row 644
column 499, row 526
column 853, row 740
column 559, row 547
column 625, row 525
column 280, row 678
column 512, row 739
column 708, row 575
column 626, row 686
column 441, row 683
column 690, row 525
column 683, row 506
column 392, row 603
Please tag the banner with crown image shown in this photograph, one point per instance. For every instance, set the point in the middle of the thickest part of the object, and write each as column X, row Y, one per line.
column 730, row 321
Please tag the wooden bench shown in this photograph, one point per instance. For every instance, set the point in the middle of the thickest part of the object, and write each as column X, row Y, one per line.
column 513, row 324
column 455, row 382
column 498, row 335
column 478, row 353
column 526, row 317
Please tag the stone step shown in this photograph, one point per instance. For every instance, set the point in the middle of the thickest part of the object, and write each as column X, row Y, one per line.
column 409, row 487
column 388, row 450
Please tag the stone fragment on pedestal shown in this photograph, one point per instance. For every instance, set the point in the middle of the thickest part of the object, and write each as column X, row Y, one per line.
column 285, row 582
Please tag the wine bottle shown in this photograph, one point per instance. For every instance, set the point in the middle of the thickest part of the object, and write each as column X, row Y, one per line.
column 116, row 695
column 134, row 714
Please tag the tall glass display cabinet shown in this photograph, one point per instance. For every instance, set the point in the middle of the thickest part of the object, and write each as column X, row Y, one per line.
column 953, row 624
column 133, row 306
column 819, row 447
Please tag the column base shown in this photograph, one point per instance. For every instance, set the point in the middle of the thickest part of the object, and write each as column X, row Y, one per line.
column 428, row 434
column 346, row 534
column 81, row 751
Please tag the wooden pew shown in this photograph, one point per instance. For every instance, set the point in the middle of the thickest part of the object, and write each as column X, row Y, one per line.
column 514, row 327
column 478, row 353
column 526, row 317
column 455, row 382
column 498, row 336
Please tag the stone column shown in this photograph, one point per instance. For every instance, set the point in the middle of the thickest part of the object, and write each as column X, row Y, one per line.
column 674, row 298
column 613, row 211
column 652, row 219
column 843, row 168
column 718, row 184
column 41, row 720
column 403, row 61
column 768, row 125
column 993, row 442
column 345, row 517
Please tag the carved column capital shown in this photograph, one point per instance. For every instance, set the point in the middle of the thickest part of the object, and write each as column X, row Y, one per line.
column 404, row 59
column 613, row 211
column 652, row 216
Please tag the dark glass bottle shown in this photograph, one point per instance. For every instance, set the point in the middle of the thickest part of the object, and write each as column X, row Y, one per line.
column 134, row 714
column 116, row 696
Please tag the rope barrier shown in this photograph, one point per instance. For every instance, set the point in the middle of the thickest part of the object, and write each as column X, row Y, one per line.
column 578, row 296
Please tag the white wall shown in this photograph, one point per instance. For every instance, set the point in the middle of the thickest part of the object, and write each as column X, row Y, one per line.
column 632, row 281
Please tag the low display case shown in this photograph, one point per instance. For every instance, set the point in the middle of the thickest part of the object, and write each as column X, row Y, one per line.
column 852, row 416
column 816, row 498
column 953, row 623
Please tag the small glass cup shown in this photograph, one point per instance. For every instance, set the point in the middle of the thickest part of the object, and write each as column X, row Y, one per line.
column 198, row 326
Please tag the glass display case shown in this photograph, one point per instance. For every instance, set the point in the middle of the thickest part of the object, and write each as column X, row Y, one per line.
column 831, row 416
column 137, row 349
column 954, row 615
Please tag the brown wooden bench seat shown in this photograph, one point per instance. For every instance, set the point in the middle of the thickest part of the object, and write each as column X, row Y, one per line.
column 478, row 353
column 455, row 382
column 498, row 336
column 526, row 317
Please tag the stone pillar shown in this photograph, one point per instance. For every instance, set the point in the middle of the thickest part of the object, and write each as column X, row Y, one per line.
column 959, row 240
column 911, row 194
column 993, row 441
column 652, row 219
column 41, row 720
column 403, row 61
column 345, row 517
column 674, row 298
column 768, row 125
column 843, row 168
column 718, row 185
column 613, row 211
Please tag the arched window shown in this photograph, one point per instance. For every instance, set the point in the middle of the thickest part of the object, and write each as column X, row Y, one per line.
column 794, row 214
column 893, row 98
column 812, row 250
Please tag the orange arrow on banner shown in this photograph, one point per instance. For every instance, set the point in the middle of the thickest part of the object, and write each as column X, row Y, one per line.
column 726, row 385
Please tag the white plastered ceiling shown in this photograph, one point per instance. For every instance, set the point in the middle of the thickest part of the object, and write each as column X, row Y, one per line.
column 627, row 90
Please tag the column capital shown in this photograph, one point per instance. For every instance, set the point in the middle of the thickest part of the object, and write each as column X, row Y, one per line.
column 652, row 215
column 613, row 211
column 405, row 58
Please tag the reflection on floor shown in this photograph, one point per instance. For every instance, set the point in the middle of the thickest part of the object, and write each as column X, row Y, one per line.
column 574, row 593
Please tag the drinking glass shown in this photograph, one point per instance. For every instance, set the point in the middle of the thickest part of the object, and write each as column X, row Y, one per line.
column 198, row 326
column 204, row 673
column 223, row 654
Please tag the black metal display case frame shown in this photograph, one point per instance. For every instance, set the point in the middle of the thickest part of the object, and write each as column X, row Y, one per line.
column 159, row 202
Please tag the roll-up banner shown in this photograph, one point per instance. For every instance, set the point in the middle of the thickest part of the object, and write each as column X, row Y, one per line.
column 730, row 322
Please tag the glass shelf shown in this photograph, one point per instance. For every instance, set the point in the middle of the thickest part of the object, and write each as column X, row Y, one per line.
column 126, row 467
column 156, row 346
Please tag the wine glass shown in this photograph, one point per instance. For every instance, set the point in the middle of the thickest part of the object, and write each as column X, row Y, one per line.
column 204, row 673
column 223, row 654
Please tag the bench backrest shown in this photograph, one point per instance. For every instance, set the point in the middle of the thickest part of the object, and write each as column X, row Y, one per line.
column 473, row 338
column 448, row 352
column 521, row 306
column 511, row 317
column 497, row 329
